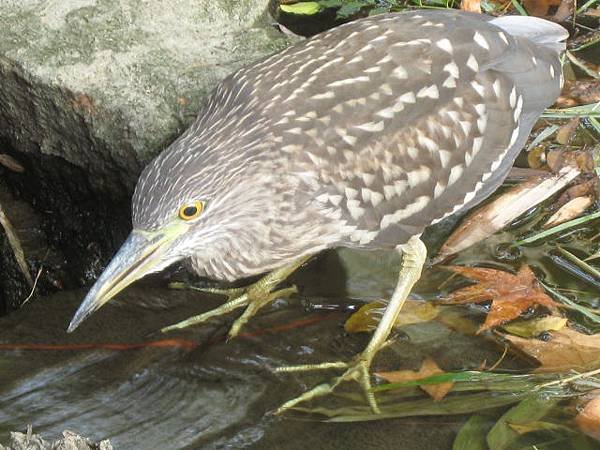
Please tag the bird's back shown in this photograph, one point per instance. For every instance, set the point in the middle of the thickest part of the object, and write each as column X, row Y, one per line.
column 379, row 127
column 396, row 121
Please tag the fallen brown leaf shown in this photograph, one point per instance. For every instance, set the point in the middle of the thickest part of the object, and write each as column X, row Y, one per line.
column 592, row 12
column 572, row 209
column 539, row 8
column 580, row 92
column 589, row 187
column 559, row 159
column 511, row 295
column 566, row 132
column 428, row 368
column 564, row 350
column 588, row 419
column 471, row 5
column 564, row 11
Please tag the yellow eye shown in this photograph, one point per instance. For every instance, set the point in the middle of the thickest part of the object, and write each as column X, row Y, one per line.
column 191, row 210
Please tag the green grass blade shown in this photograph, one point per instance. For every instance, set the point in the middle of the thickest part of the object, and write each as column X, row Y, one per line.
column 519, row 8
column 590, row 110
column 577, row 307
column 558, row 228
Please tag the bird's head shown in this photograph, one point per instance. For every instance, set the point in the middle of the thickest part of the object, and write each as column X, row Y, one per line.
column 181, row 208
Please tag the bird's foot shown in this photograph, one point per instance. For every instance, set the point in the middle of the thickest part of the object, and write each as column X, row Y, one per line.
column 356, row 370
column 253, row 297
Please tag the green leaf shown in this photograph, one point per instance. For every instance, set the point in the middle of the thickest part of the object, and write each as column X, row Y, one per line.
column 349, row 9
column 302, row 8
column 502, row 435
column 559, row 228
column 472, row 434
column 331, row 3
column 586, row 5
column 545, row 134
column 463, row 404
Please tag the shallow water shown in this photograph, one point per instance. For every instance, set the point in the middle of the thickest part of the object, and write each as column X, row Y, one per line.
column 203, row 392
column 212, row 394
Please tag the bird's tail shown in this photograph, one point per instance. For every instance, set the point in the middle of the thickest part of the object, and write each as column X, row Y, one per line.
column 542, row 32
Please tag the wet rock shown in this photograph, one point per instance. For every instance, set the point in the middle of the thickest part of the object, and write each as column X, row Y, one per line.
column 107, row 85
column 90, row 91
column 69, row 441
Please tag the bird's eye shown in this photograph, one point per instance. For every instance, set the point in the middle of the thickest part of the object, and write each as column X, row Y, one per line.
column 191, row 210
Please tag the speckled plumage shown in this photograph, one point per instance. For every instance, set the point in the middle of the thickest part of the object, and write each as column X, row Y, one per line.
column 360, row 136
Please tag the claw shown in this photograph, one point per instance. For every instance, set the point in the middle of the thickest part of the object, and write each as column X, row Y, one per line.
column 254, row 297
column 254, row 305
column 357, row 371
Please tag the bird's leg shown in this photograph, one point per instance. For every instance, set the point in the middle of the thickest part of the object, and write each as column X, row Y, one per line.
column 413, row 259
column 253, row 297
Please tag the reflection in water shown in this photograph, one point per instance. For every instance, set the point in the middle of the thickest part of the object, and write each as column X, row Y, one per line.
column 212, row 394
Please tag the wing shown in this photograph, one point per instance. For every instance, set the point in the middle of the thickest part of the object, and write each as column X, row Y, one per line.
column 397, row 121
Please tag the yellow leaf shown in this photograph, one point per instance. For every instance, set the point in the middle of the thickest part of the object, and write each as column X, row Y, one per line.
column 535, row 327
column 303, row 8
column 368, row 316
column 565, row 350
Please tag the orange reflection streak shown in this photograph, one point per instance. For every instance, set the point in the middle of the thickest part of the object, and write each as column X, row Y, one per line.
column 186, row 344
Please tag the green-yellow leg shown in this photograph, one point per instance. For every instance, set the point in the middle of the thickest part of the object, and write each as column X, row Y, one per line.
column 253, row 297
column 414, row 254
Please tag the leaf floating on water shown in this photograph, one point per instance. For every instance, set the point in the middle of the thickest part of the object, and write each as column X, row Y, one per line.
column 564, row 350
column 511, row 295
column 534, row 327
column 428, row 368
column 368, row 316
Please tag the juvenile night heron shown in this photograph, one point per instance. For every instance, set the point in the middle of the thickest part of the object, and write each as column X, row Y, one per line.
column 361, row 136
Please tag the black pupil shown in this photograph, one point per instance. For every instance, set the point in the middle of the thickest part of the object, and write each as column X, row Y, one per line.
column 190, row 211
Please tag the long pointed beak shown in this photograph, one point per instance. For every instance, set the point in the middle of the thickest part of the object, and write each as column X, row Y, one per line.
column 139, row 255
